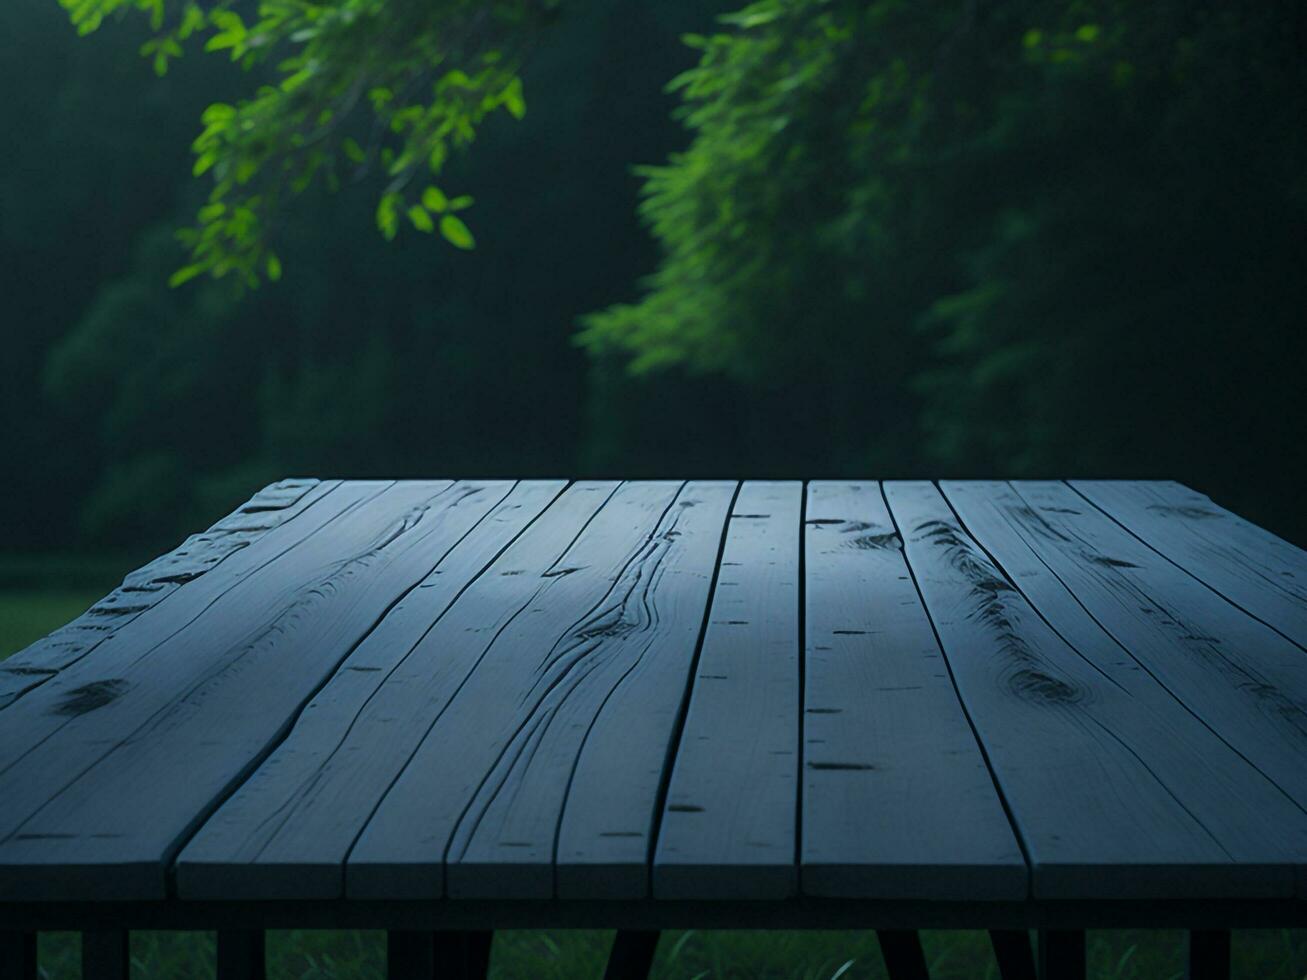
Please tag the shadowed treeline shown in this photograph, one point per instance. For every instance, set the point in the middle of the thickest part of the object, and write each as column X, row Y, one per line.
column 1005, row 239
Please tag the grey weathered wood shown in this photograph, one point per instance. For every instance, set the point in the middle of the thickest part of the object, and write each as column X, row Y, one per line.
column 606, row 696
column 241, row 955
column 480, row 802
column 1110, row 796
column 1251, row 567
column 91, row 681
column 610, row 813
column 728, row 822
column 133, row 777
column 286, row 831
column 106, row 954
column 1245, row 681
column 897, row 799
column 146, row 587
column 17, row 955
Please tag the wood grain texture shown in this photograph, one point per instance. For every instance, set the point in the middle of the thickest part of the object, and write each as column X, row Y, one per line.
column 728, row 829
column 146, row 587
column 611, row 811
column 286, row 831
column 1262, row 574
column 476, row 812
column 99, row 808
column 1109, row 800
column 1247, row 682
column 897, row 799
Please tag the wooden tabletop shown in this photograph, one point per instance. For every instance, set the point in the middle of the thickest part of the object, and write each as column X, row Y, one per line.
column 471, row 690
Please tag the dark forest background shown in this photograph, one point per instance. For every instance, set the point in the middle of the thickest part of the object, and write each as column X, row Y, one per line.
column 1086, row 259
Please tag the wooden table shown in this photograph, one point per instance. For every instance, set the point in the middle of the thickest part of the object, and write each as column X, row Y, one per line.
column 443, row 708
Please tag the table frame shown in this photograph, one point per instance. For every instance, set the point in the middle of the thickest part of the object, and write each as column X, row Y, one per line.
column 451, row 939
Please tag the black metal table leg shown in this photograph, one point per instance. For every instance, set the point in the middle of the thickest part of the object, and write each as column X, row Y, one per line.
column 632, row 955
column 241, row 956
column 17, row 956
column 428, row 955
column 410, row 955
column 106, row 954
column 1209, row 954
column 904, row 958
column 1016, row 960
column 1061, row 954
column 463, row 955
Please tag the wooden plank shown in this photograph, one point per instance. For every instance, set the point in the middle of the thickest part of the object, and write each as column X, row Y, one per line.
column 727, row 828
column 480, row 802
column 92, row 684
column 1113, row 793
column 1245, row 681
column 891, row 766
column 99, row 809
column 1264, row 575
column 146, row 587
column 611, row 811
column 285, row 832
column 610, row 692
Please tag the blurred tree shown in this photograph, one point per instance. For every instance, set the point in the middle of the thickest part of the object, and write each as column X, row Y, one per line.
column 970, row 238
column 1064, row 236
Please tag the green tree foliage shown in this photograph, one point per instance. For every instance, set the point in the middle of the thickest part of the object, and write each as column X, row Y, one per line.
column 1064, row 235
column 349, row 89
column 136, row 413
column 977, row 237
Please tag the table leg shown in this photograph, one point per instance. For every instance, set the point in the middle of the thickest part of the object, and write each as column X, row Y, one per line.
column 1209, row 954
column 1061, row 954
column 632, row 955
column 1016, row 960
column 106, row 954
column 410, row 955
column 17, row 956
column 437, row 955
column 463, row 955
column 904, row 958
column 241, row 955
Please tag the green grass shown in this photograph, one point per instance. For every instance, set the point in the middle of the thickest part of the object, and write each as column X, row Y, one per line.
column 571, row 955
column 28, row 615
column 693, row 955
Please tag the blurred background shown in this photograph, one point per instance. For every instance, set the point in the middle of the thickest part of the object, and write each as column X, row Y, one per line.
column 993, row 239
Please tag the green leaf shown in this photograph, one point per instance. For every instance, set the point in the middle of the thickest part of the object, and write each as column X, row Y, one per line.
column 456, row 233
column 460, row 202
column 1088, row 33
column 421, row 220
column 513, row 99
column 185, row 274
column 273, row 267
column 353, row 150
column 433, row 199
column 387, row 216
